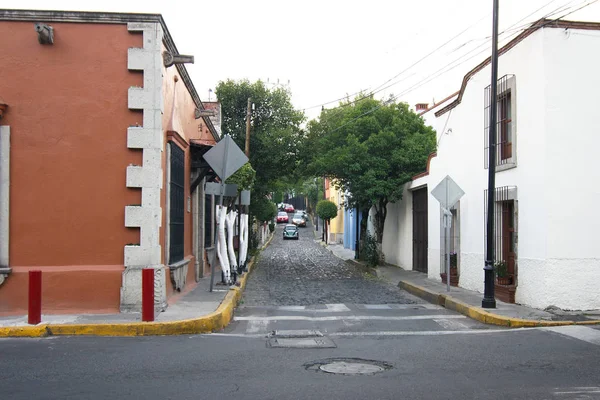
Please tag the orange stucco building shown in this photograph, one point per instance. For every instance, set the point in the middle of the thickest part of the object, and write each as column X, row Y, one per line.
column 101, row 137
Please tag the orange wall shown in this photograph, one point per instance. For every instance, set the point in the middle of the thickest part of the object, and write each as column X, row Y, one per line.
column 68, row 116
column 179, row 117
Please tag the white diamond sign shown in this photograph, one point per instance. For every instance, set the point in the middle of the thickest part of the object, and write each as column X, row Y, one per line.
column 225, row 158
column 447, row 192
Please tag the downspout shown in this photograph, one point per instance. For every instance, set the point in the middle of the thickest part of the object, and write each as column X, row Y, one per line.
column 5, row 269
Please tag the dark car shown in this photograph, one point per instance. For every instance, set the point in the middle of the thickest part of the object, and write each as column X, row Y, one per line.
column 291, row 232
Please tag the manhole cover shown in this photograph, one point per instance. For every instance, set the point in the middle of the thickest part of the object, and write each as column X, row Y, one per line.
column 351, row 368
column 348, row 366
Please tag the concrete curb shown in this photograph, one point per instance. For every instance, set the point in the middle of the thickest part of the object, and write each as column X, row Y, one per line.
column 478, row 313
column 214, row 321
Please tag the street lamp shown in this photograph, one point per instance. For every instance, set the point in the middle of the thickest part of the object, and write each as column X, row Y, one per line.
column 488, row 292
column 316, row 201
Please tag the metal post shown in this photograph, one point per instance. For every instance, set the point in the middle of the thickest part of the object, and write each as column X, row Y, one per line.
column 357, row 242
column 148, row 294
column 316, row 201
column 448, row 219
column 34, row 313
column 489, row 300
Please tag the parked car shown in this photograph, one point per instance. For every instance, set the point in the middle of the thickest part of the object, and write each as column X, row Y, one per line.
column 282, row 217
column 291, row 232
column 298, row 219
column 289, row 208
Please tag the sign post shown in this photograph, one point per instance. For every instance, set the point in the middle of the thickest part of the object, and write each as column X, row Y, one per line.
column 447, row 192
column 225, row 158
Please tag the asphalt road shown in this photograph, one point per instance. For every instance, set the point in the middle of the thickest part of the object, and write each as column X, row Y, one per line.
column 304, row 313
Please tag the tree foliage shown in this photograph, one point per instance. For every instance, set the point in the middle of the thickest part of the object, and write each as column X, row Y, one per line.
column 371, row 148
column 263, row 209
column 275, row 133
column 327, row 210
column 243, row 177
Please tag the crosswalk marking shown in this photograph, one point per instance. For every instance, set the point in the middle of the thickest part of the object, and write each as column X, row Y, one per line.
column 450, row 324
column 584, row 333
column 347, row 317
column 256, row 326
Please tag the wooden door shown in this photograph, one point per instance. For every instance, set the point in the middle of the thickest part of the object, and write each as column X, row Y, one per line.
column 420, row 242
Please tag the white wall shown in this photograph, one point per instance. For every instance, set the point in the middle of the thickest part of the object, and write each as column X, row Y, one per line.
column 572, row 184
column 556, row 176
column 397, row 233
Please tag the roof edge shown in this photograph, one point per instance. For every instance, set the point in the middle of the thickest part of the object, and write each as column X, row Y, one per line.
column 541, row 23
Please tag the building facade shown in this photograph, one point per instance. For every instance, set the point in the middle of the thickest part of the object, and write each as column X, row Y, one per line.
column 544, row 214
column 102, row 134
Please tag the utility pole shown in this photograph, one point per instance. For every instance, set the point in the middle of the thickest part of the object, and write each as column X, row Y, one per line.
column 239, row 221
column 489, row 300
column 248, row 113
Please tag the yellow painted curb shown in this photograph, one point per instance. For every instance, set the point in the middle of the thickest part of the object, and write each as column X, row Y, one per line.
column 480, row 314
column 214, row 321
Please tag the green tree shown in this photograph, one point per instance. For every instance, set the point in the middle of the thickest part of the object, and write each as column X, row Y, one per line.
column 326, row 210
column 263, row 209
column 371, row 148
column 275, row 133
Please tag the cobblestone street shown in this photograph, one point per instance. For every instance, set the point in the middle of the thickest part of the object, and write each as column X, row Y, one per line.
column 303, row 272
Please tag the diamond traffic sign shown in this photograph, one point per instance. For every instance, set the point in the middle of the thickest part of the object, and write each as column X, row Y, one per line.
column 225, row 158
column 447, row 192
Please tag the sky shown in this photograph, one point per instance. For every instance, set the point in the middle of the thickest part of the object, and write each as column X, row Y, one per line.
column 322, row 51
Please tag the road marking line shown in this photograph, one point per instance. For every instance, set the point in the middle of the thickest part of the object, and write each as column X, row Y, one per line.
column 256, row 326
column 336, row 308
column 388, row 333
column 291, row 308
column 348, row 317
column 450, row 324
column 578, row 332
column 378, row 307
column 426, row 333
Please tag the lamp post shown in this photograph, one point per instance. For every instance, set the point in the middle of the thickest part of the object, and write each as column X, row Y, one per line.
column 356, row 243
column 316, row 201
column 488, row 295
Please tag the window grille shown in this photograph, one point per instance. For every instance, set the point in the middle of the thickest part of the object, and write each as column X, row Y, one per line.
column 505, row 226
column 504, row 125
column 176, row 204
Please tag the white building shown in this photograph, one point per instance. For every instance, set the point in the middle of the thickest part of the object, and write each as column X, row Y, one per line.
column 547, row 175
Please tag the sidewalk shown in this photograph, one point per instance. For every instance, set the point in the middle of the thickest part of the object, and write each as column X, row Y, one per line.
column 468, row 302
column 195, row 311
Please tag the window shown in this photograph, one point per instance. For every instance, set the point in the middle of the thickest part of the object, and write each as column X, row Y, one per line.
column 176, row 203
column 505, row 228
column 208, row 220
column 505, row 127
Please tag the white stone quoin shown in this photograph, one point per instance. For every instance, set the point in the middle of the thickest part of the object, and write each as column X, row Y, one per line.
column 149, row 175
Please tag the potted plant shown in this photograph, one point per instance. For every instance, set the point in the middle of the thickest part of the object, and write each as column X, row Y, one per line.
column 453, row 270
column 501, row 270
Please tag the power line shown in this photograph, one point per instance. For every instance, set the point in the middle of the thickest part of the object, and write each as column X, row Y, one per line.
column 445, row 69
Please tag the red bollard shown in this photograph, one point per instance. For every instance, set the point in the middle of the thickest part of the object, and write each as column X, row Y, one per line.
column 34, row 315
column 148, row 294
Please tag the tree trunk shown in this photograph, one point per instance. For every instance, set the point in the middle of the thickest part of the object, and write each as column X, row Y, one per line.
column 380, row 215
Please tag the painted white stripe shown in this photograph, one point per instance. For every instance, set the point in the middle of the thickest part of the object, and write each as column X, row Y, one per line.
column 348, row 317
column 336, row 308
column 256, row 326
column 425, row 333
column 578, row 332
column 450, row 324
column 388, row 333
column 378, row 307
column 292, row 308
